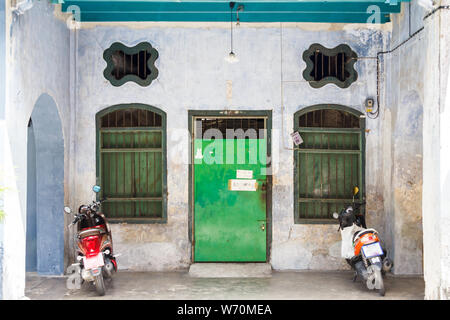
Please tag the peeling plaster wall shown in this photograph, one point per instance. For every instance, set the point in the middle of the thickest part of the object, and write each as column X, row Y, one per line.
column 37, row 63
column 436, row 174
column 2, row 125
column 194, row 76
column 402, row 140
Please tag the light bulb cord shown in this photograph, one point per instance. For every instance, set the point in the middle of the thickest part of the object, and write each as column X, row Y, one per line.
column 231, row 29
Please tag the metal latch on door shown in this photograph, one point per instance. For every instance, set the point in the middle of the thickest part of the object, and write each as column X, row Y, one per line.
column 263, row 224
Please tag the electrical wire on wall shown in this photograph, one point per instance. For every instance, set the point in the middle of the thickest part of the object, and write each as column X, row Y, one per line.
column 371, row 114
column 375, row 114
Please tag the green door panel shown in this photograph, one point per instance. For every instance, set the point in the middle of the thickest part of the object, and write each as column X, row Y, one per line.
column 229, row 225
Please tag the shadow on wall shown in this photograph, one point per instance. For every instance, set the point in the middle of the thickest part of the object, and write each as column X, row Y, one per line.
column 45, row 189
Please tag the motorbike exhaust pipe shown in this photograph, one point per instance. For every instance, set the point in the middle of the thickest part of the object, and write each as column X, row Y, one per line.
column 109, row 267
column 387, row 265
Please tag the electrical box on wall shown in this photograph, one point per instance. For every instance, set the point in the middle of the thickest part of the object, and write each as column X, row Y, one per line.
column 369, row 105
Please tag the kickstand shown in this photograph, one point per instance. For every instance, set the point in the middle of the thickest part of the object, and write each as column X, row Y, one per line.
column 355, row 276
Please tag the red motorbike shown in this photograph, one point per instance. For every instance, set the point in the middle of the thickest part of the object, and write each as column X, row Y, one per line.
column 95, row 257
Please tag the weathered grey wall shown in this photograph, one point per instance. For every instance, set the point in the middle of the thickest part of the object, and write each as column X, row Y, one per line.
column 31, row 237
column 2, row 125
column 194, row 75
column 402, row 109
column 49, row 192
column 436, row 143
column 37, row 62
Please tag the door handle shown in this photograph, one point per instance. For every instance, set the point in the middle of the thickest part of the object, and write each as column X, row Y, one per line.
column 263, row 224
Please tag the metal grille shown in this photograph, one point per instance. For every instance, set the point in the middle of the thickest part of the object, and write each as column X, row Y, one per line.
column 251, row 127
column 131, row 163
column 328, row 162
column 328, row 118
column 130, row 64
column 131, row 117
column 329, row 66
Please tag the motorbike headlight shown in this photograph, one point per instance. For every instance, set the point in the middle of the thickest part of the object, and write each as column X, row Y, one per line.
column 107, row 251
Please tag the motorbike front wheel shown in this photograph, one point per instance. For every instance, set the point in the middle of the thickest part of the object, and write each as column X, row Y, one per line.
column 100, row 284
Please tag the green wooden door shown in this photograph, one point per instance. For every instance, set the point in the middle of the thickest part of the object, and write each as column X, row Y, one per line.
column 230, row 200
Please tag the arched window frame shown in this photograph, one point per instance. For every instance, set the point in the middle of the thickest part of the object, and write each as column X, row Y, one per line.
column 162, row 128
column 296, row 174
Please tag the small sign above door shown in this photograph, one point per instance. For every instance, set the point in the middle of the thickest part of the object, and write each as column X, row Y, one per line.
column 242, row 185
column 244, row 174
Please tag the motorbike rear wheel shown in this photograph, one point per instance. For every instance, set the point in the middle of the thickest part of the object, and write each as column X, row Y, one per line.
column 100, row 284
column 379, row 280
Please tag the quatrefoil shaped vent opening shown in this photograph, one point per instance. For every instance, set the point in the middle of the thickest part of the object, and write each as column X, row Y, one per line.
column 135, row 64
column 324, row 66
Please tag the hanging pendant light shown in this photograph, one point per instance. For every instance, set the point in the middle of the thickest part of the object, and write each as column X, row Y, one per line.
column 231, row 57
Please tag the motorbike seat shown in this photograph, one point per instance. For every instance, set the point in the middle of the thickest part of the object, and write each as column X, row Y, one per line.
column 91, row 232
column 363, row 232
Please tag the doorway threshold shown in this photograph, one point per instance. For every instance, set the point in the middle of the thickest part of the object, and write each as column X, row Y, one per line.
column 230, row 270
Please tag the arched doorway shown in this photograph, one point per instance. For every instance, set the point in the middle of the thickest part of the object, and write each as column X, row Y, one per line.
column 45, row 190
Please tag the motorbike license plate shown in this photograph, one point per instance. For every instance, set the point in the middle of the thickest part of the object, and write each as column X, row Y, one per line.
column 93, row 262
column 372, row 250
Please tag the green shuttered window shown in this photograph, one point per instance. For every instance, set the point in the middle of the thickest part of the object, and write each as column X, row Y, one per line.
column 131, row 163
column 329, row 162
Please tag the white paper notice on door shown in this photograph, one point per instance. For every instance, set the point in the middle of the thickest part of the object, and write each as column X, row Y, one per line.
column 244, row 174
column 242, row 185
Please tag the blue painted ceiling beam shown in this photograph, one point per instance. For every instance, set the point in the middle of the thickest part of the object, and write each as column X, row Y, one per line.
column 350, row 11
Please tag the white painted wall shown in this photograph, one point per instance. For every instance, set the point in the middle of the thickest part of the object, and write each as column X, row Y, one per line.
column 436, row 217
column 402, row 117
column 37, row 63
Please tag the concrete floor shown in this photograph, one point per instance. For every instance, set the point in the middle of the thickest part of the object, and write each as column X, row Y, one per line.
column 307, row 285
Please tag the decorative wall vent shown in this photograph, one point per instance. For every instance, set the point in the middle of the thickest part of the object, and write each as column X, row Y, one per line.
column 135, row 64
column 325, row 66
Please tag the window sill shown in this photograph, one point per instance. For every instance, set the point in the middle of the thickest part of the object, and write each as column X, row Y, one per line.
column 316, row 221
column 137, row 220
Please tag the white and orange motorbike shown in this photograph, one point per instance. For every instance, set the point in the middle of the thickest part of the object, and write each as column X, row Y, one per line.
column 361, row 247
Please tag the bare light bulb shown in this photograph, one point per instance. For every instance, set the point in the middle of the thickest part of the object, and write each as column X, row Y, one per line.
column 231, row 58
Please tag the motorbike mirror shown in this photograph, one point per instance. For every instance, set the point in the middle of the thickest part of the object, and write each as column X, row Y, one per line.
column 67, row 210
column 96, row 189
column 355, row 191
column 335, row 215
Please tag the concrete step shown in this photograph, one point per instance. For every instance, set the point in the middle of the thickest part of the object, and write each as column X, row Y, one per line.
column 230, row 270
